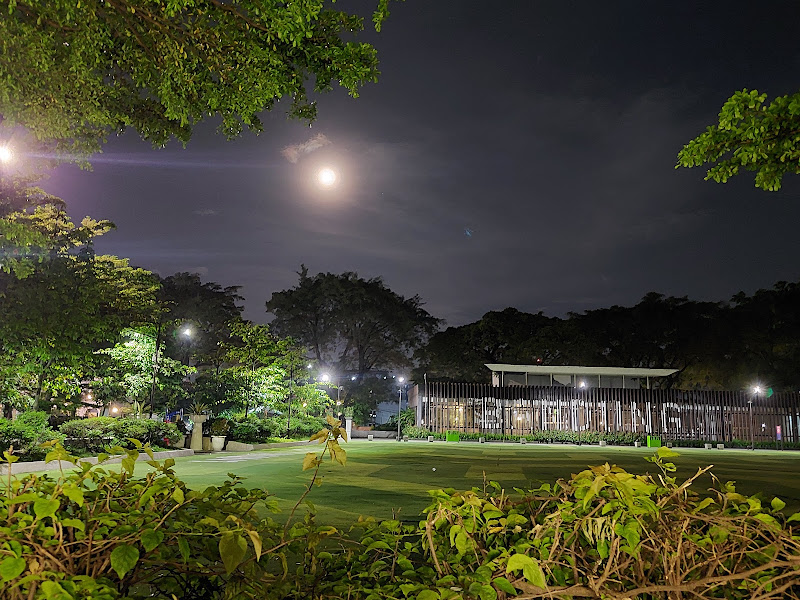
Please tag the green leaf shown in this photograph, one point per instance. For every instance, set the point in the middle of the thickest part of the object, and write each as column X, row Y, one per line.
column 76, row 523
column 11, row 568
column 502, row 584
column 379, row 544
column 54, row 590
column 487, row 592
column 530, row 569
column 778, row 504
column 232, row 548
column 73, row 493
column 123, row 558
column 178, row 496
column 183, row 546
column 151, row 538
column 27, row 497
column 45, row 507
column 794, row 517
column 428, row 595
column 602, row 549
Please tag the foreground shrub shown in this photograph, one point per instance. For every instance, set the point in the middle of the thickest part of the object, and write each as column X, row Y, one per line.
column 605, row 533
column 26, row 433
column 103, row 534
column 96, row 433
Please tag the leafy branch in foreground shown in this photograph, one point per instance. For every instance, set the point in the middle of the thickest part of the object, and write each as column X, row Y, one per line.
column 753, row 135
column 74, row 73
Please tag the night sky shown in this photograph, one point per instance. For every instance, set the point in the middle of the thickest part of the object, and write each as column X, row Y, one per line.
column 517, row 153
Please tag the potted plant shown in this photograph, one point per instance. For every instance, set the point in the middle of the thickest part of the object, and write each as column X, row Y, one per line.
column 219, row 430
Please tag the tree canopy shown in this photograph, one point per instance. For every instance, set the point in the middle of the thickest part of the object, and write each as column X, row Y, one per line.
column 713, row 345
column 753, row 135
column 75, row 72
column 350, row 323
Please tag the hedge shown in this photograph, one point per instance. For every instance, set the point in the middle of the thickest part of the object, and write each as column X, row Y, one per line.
column 255, row 429
column 95, row 433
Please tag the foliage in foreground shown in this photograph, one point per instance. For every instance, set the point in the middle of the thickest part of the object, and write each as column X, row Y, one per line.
column 752, row 135
column 605, row 533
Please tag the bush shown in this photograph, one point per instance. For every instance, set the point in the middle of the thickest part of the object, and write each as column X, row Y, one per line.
column 604, row 533
column 95, row 433
column 26, row 433
column 257, row 430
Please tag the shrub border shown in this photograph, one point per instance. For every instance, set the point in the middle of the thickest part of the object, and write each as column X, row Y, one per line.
column 18, row 468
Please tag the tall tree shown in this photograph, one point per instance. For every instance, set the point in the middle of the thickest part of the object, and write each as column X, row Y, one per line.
column 752, row 135
column 350, row 323
column 208, row 309
column 75, row 72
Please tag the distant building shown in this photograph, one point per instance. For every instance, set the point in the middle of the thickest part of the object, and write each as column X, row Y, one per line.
column 575, row 376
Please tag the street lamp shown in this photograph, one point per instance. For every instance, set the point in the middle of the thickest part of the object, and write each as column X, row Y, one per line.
column 6, row 154
column 399, row 402
column 756, row 392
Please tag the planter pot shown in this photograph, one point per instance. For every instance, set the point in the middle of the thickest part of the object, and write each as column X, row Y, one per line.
column 206, row 443
column 370, row 437
column 181, row 443
column 603, row 443
column 197, row 432
column 720, row 446
column 217, row 443
column 430, row 438
column 637, row 444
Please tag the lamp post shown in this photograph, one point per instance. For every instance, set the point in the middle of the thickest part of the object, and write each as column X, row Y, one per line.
column 399, row 403
column 756, row 392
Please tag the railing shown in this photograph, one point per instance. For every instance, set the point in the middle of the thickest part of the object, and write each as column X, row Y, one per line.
column 712, row 416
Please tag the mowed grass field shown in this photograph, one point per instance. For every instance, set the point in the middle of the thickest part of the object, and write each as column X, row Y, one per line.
column 386, row 478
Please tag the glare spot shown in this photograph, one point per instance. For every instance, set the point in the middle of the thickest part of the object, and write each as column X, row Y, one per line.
column 327, row 177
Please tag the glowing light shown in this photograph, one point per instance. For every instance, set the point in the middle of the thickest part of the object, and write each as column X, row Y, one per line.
column 115, row 410
column 401, row 379
column 757, row 389
column 187, row 332
column 88, row 396
column 325, row 377
column 308, row 366
column 353, row 378
column 583, row 384
column 305, row 404
column 6, row 155
column 327, row 177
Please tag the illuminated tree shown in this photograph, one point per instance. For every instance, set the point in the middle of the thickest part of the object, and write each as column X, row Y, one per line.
column 75, row 72
column 752, row 135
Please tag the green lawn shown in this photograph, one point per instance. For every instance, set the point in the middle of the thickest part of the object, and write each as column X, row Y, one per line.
column 385, row 477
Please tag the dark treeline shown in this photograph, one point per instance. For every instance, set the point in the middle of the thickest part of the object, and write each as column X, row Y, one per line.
column 714, row 345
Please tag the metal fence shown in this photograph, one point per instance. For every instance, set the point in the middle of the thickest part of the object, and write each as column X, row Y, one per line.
column 671, row 414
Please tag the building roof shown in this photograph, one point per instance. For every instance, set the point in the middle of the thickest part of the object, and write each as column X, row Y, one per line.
column 577, row 370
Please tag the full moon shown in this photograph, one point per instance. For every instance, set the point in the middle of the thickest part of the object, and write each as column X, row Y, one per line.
column 327, row 177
